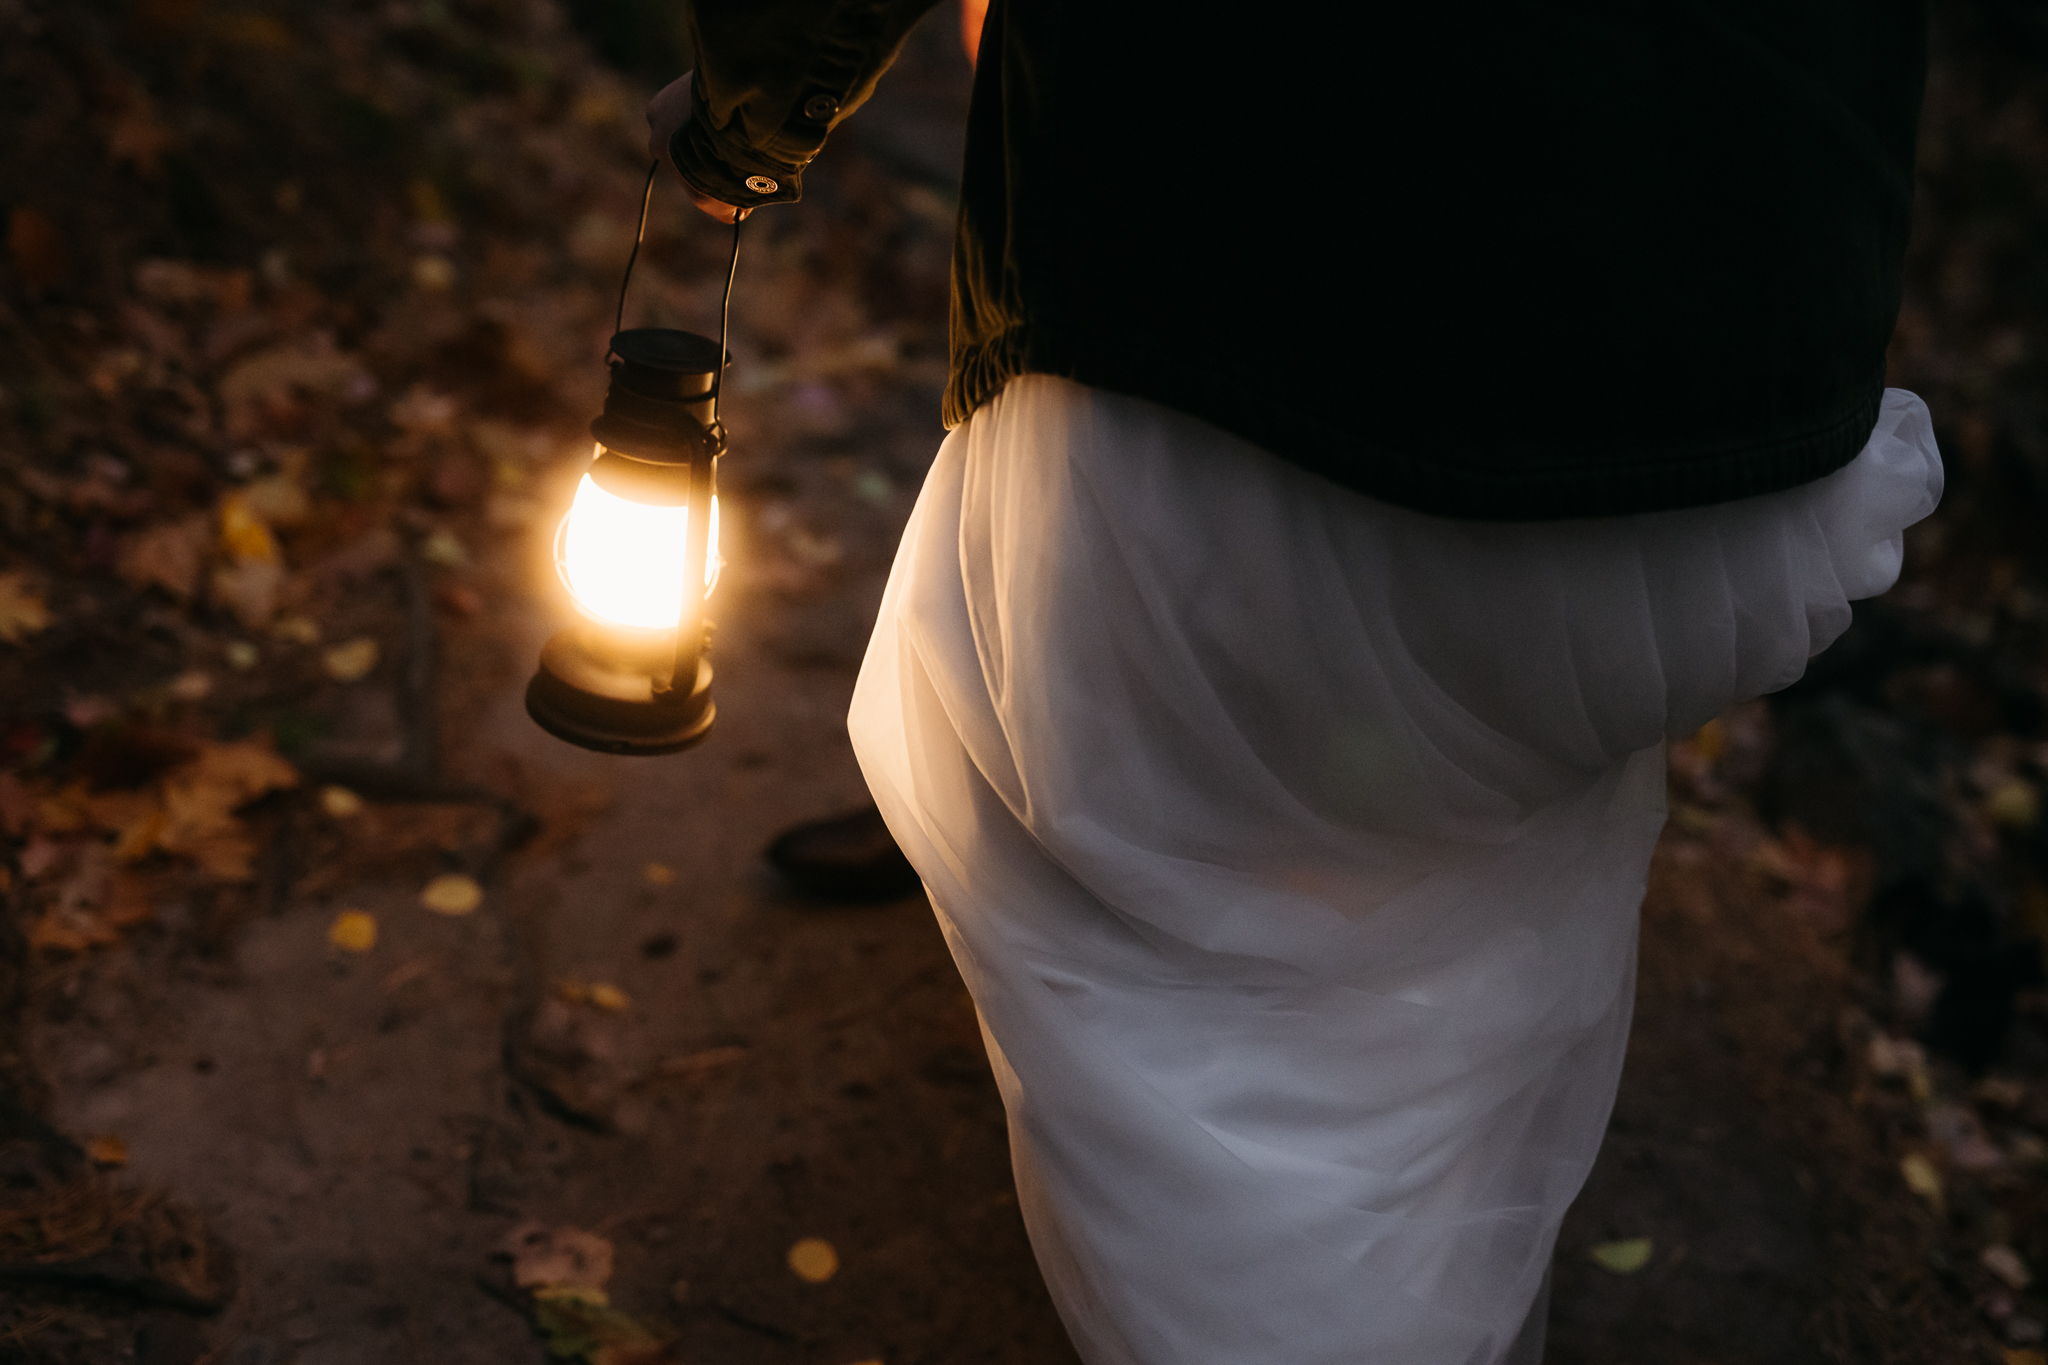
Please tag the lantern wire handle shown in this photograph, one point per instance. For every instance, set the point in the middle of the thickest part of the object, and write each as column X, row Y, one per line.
column 732, row 270
column 646, row 198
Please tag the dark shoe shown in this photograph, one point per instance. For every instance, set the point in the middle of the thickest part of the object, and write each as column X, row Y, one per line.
column 847, row 858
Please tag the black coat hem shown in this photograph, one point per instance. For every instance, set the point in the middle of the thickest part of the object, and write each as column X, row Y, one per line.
column 1653, row 478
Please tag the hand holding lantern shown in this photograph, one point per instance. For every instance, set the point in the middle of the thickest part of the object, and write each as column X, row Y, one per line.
column 638, row 549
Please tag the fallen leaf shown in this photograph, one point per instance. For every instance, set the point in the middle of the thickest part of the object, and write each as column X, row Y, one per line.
column 660, row 874
column 297, row 629
column 608, row 997
column 250, row 589
column 1623, row 1258
column 352, row 660
column 241, row 656
column 200, row 799
column 553, row 1258
column 23, row 611
column 2014, row 1356
column 353, row 931
column 452, row 894
column 171, row 556
column 2006, row 1264
column 1921, row 1177
column 340, row 803
column 70, row 931
column 191, row 685
column 243, row 531
column 581, row 1325
column 814, row 1260
column 433, row 273
column 444, row 549
column 280, row 499
column 107, row 1150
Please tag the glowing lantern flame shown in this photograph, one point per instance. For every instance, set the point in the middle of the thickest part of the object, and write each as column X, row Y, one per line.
column 623, row 560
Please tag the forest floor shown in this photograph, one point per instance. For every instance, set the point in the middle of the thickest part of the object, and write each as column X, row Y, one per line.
column 345, row 1016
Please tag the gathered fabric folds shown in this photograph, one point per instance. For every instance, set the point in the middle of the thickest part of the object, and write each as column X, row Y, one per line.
column 1291, row 845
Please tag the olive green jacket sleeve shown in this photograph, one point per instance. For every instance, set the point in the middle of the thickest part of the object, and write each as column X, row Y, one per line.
column 773, row 78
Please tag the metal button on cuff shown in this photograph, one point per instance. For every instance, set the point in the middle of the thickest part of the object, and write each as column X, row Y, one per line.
column 820, row 108
column 761, row 184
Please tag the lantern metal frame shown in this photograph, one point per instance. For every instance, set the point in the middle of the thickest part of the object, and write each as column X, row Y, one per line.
column 622, row 689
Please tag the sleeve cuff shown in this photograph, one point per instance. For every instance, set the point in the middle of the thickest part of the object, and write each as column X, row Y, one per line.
column 730, row 174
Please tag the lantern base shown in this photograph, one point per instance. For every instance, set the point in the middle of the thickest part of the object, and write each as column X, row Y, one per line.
column 595, row 689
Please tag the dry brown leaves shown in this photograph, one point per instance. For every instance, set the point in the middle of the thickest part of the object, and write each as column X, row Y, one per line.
column 83, row 846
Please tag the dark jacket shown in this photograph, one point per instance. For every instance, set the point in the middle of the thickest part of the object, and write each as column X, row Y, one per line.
column 1501, row 260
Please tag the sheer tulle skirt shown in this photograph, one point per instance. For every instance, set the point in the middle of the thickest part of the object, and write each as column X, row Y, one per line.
column 1291, row 845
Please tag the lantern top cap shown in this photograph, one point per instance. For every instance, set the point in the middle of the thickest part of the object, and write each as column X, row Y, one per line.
column 667, row 349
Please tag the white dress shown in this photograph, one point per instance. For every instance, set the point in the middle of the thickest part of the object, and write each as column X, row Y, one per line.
column 1291, row 844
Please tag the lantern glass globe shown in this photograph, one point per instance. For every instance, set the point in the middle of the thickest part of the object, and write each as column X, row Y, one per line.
column 624, row 561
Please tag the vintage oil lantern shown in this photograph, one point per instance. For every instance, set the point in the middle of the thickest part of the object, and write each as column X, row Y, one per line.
column 638, row 550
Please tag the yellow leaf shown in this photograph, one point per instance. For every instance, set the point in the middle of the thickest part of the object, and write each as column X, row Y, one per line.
column 22, row 609
column 608, row 997
column 452, row 894
column 2014, row 1356
column 353, row 931
column 243, row 532
column 107, row 1150
column 814, row 1260
column 340, row 803
column 660, row 874
column 352, row 660
column 1623, row 1258
column 1921, row 1177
